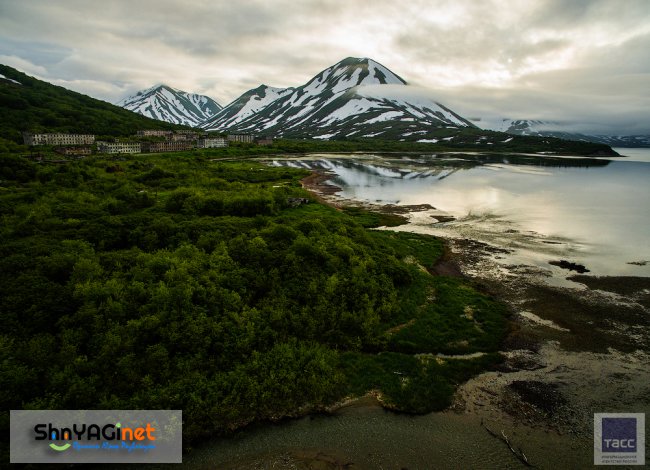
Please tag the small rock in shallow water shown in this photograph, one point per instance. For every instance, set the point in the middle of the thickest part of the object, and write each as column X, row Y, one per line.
column 564, row 264
column 639, row 263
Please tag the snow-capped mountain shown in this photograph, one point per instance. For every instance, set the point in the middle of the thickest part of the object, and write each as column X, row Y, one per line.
column 248, row 104
column 559, row 130
column 353, row 98
column 516, row 126
column 621, row 140
column 165, row 103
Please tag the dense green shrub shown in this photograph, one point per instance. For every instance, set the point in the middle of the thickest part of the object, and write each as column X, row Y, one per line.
column 218, row 299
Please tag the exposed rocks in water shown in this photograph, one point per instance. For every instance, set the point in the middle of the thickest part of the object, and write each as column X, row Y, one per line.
column 519, row 339
column 468, row 244
column 639, row 263
column 443, row 218
column 635, row 288
column 544, row 396
column 521, row 360
column 564, row 264
column 395, row 209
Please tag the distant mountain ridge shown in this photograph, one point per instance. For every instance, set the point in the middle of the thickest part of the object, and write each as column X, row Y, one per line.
column 29, row 104
column 357, row 97
column 247, row 105
column 354, row 98
column 168, row 104
column 554, row 129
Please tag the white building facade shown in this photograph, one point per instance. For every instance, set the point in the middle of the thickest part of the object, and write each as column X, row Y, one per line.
column 119, row 147
column 58, row 139
column 215, row 142
column 240, row 138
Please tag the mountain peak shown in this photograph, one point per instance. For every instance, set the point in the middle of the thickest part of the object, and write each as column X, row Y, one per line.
column 154, row 89
column 348, row 99
column 370, row 72
column 356, row 61
column 169, row 104
column 347, row 74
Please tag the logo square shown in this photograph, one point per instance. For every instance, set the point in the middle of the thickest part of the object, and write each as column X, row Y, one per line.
column 619, row 435
column 619, row 439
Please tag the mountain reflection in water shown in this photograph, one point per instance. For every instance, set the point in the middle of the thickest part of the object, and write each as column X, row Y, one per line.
column 595, row 208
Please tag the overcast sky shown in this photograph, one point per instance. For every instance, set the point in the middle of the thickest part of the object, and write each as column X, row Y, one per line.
column 586, row 62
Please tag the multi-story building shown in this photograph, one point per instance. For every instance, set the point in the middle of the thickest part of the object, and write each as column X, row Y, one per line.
column 240, row 138
column 185, row 131
column 167, row 146
column 212, row 142
column 58, row 139
column 154, row 133
column 264, row 141
column 77, row 151
column 119, row 147
column 180, row 135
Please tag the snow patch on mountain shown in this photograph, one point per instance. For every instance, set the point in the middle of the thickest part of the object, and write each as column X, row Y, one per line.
column 355, row 97
column 387, row 116
column 258, row 102
column 351, row 108
column 168, row 104
column 416, row 101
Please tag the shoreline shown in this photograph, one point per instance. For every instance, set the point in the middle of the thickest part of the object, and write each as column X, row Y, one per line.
column 564, row 344
column 552, row 376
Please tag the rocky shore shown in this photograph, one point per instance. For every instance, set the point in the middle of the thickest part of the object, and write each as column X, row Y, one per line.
column 578, row 344
column 573, row 350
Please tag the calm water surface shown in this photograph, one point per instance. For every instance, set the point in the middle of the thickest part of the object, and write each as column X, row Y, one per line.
column 371, row 438
column 594, row 211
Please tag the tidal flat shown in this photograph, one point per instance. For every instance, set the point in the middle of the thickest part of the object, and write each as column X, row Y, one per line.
column 578, row 344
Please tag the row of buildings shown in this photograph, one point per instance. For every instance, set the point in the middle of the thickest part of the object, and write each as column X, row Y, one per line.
column 165, row 146
column 191, row 135
column 58, row 139
column 175, row 141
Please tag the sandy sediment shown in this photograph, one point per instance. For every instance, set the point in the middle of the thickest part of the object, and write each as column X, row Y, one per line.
column 571, row 352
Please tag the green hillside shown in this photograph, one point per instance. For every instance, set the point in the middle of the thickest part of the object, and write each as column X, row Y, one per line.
column 37, row 106
column 194, row 283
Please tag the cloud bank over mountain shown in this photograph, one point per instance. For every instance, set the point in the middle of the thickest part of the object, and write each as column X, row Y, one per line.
column 579, row 61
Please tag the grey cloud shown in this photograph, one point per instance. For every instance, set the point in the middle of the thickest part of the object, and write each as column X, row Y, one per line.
column 590, row 57
column 41, row 53
column 565, row 15
column 582, row 112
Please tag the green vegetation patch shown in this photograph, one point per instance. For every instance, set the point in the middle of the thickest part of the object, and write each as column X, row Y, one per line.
column 38, row 106
column 183, row 282
column 372, row 219
column 451, row 318
column 414, row 384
